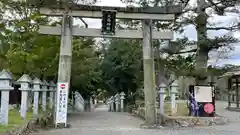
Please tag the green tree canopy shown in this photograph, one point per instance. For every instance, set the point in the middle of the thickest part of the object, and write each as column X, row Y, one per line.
column 122, row 66
column 24, row 50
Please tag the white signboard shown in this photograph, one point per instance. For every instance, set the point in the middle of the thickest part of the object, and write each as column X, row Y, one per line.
column 203, row 93
column 62, row 102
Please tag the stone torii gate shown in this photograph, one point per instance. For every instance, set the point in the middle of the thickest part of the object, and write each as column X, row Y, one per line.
column 146, row 14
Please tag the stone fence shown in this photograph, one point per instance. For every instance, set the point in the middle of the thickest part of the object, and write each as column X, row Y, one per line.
column 34, row 96
column 79, row 102
column 30, row 90
column 116, row 102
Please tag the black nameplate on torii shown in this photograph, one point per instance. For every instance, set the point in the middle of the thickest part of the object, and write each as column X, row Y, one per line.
column 108, row 22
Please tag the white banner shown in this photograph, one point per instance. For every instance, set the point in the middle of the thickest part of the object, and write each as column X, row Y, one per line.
column 62, row 103
column 203, row 93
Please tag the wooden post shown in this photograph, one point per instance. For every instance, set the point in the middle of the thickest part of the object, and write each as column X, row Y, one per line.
column 237, row 92
column 229, row 91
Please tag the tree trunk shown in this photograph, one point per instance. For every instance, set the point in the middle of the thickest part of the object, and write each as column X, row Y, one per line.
column 202, row 53
column 201, row 68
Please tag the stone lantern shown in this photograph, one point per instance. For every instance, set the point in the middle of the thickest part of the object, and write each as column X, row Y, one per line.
column 5, row 87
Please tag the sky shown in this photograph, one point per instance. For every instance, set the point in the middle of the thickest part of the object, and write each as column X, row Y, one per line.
column 216, row 57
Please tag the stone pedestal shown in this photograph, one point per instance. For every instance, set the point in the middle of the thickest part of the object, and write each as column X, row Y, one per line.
column 24, row 81
column 117, row 102
column 174, row 91
column 52, row 91
column 112, row 104
column 122, row 97
column 44, row 95
column 36, row 89
column 162, row 93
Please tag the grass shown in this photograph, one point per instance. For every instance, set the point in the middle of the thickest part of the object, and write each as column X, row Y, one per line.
column 14, row 120
column 182, row 109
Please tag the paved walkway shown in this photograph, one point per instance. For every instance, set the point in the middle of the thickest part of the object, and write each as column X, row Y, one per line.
column 232, row 116
column 101, row 122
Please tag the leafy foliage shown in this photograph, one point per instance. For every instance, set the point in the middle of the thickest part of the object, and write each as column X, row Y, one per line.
column 24, row 50
column 122, row 66
column 86, row 73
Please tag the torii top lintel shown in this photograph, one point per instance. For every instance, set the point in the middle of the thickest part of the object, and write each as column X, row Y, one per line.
column 171, row 9
column 148, row 10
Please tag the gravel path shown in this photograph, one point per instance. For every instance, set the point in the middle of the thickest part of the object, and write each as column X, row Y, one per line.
column 101, row 122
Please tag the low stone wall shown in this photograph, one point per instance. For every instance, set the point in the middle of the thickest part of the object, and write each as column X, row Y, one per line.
column 183, row 121
column 31, row 125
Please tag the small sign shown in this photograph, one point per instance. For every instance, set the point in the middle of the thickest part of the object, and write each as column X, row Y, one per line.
column 203, row 93
column 62, row 86
column 208, row 108
column 108, row 22
column 62, row 102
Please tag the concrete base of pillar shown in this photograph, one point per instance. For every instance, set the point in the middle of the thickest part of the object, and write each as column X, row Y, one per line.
column 122, row 110
column 118, row 108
